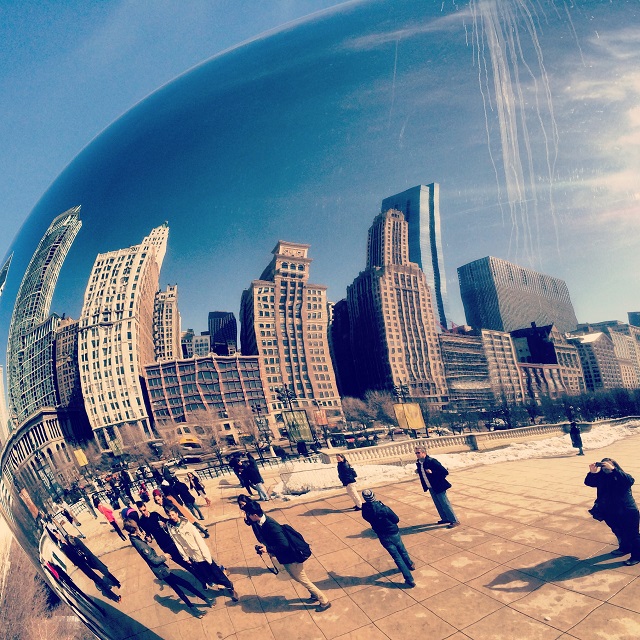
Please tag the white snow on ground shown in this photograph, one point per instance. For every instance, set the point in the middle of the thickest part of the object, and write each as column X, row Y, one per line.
column 310, row 480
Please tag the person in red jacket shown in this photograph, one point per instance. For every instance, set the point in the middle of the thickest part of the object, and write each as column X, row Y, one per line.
column 108, row 514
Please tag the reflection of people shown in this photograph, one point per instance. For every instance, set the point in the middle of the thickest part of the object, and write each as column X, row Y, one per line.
column 251, row 475
column 576, row 438
column 616, row 504
column 168, row 500
column 385, row 523
column 271, row 534
column 108, row 514
column 433, row 479
column 196, row 485
column 181, row 491
column 347, row 475
column 194, row 550
column 159, row 567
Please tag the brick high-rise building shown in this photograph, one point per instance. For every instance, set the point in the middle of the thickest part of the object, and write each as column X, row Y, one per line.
column 503, row 296
column 392, row 324
column 166, row 325
column 223, row 331
column 115, row 339
column 503, row 366
column 283, row 319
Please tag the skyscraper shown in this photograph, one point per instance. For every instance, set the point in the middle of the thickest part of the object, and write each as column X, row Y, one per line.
column 31, row 310
column 503, row 296
column 392, row 324
column 115, row 339
column 166, row 325
column 283, row 319
column 223, row 330
column 4, row 272
column 421, row 208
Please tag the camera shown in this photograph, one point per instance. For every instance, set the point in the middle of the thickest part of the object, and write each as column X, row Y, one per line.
column 259, row 549
column 599, row 464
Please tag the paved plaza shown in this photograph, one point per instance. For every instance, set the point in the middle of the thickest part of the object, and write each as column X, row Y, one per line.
column 528, row 563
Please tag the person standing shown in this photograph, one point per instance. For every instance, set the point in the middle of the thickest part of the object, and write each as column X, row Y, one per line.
column 616, row 505
column 272, row 535
column 166, row 500
column 384, row 522
column 194, row 550
column 160, row 570
column 108, row 514
column 181, row 491
column 348, row 475
column 251, row 474
column 195, row 484
column 576, row 438
column 433, row 477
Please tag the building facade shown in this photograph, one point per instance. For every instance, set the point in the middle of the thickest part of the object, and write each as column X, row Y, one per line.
column 421, row 208
column 599, row 363
column 283, row 319
column 115, row 339
column 223, row 331
column 393, row 329
column 166, row 325
column 503, row 296
column 504, row 373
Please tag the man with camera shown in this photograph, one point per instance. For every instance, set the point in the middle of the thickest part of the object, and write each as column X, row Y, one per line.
column 278, row 543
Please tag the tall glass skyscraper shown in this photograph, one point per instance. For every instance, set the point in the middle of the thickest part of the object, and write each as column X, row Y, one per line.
column 421, row 208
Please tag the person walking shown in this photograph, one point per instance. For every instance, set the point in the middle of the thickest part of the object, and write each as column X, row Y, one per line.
column 433, row 477
column 195, row 484
column 348, row 475
column 251, row 475
column 616, row 506
column 108, row 514
column 92, row 560
column 576, row 438
column 277, row 541
column 237, row 467
column 384, row 522
column 194, row 550
column 168, row 500
column 181, row 491
column 160, row 570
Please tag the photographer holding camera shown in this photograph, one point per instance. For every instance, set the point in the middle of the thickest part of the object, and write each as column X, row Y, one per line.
column 616, row 506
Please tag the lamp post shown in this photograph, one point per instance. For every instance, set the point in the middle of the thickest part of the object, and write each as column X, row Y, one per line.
column 263, row 428
column 286, row 396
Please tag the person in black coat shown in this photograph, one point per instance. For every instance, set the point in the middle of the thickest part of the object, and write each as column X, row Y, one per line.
column 384, row 522
column 347, row 475
column 616, row 505
column 271, row 534
column 251, row 475
column 181, row 491
column 433, row 477
column 576, row 438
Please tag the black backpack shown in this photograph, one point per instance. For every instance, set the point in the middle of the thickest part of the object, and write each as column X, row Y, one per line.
column 299, row 546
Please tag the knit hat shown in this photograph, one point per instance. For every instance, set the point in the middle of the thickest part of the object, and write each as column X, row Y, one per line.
column 368, row 495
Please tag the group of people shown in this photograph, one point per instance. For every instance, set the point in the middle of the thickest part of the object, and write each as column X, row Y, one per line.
column 248, row 474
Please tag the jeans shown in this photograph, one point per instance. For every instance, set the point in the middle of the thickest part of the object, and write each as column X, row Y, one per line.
column 178, row 584
column 195, row 510
column 445, row 510
column 262, row 494
column 394, row 545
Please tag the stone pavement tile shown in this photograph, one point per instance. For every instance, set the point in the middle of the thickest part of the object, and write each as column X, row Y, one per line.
column 467, row 537
column 415, row 622
column 493, row 508
column 430, row 581
column 343, row 616
column 594, row 530
column 629, row 597
column 368, row 632
column 500, row 550
column 349, row 527
column 433, row 550
column 589, row 580
column 326, row 543
column 413, row 535
column 505, row 585
column 368, row 549
column 560, row 523
column 464, row 565
column 378, row 602
column 276, row 605
column 461, row 605
column 532, row 536
column 299, row 626
column 557, row 607
column 543, row 564
column 508, row 624
column 610, row 622
column 246, row 614
column 499, row 526
column 357, row 577
column 572, row 546
column 337, row 561
column 261, row 633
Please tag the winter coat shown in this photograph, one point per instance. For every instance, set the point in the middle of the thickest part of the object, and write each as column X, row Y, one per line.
column 272, row 536
column 156, row 563
column 346, row 473
column 251, row 473
column 576, row 438
column 189, row 542
column 181, row 491
column 382, row 519
column 437, row 477
column 106, row 512
column 614, row 495
column 152, row 525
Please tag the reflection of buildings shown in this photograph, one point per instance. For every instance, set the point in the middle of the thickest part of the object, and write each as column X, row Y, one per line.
column 201, row 345
column 223, row 331
column 392, row 326
column 283, row 319
column 634, row 318
column 30, row 343
column 186, row 343
column 4, row 272
column 503, row 367
column 213, row 392
column 4, row 414
column 421, row 208
column 166, row 325
column 116, row 338
column 503, row 296
column 599, row 363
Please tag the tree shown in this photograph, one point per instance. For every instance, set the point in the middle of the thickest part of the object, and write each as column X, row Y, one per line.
column 380, row 406
column 355, row 410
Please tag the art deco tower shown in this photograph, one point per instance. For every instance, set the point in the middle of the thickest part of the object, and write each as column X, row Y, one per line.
column 421, row 208
column 392, row 324
column 29, row 349
column 115, row 339
column 166, row 325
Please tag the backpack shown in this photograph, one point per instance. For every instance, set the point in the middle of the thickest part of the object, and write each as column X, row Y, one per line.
column 299, row 546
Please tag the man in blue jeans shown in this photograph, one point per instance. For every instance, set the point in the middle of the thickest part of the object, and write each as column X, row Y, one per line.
column 385, row 523
column 433, row 477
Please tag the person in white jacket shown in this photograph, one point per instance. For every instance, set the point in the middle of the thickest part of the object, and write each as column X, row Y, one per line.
column 194, row 550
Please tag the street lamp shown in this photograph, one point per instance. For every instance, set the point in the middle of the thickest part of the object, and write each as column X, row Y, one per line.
column 286, row 395
column 263, row 428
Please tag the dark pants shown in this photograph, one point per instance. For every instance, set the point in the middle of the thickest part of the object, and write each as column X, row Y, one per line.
column 394, row 545
column 211, row 573
column 177, row 584
column 625, row 527
column 117, row 529
column 195, row 510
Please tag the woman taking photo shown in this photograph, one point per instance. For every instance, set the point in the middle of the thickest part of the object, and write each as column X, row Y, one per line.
column 348, row 475
column 616, row 506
